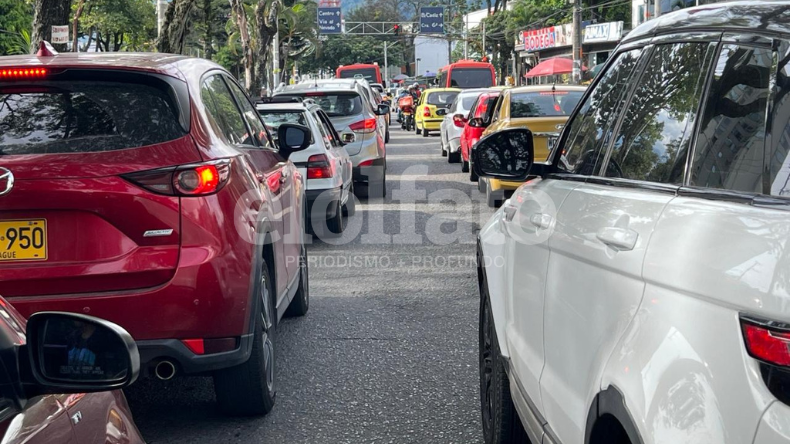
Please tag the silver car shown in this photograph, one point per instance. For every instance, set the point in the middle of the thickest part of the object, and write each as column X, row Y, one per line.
column 351, row 111
column 453, row 124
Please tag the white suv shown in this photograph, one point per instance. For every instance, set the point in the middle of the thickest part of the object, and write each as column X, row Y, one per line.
column 637, row 288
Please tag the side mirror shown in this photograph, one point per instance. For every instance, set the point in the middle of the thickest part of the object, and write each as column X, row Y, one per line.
column 507, row 154
column 292, row 138
column 75, row 353
column 382, row 109
column 441, row 112
column 347, row 138
column 476, row 122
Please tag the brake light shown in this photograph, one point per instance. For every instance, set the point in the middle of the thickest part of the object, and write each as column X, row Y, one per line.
column 22, row 73
column 767, row 344
column 318, row 167
column 459, row 120
column 366, row 163
column 186, row 180
column 366, row 126
column 315, row 94
column 426, row 112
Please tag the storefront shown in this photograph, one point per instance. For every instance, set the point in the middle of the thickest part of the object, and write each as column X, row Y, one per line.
column 536, row 45
column 599, row 40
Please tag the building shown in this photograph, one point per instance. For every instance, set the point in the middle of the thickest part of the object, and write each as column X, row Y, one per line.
column 430, row 54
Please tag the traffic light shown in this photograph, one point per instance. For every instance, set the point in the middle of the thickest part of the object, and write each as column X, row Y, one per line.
column 396, row 29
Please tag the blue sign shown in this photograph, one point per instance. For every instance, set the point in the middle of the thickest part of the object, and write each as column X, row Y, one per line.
column 329, row 21
column 432, row 20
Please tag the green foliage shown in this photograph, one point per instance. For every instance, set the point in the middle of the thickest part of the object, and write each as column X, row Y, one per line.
column 129, row 22
column 16, row 21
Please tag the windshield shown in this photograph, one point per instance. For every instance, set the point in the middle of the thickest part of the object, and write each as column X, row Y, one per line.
column 471, row 78
column 368, row 74
column 336, row 104
column 441, row 99
column 544, row 103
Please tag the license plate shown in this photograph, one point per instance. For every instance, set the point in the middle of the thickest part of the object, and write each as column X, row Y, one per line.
column 23, row 240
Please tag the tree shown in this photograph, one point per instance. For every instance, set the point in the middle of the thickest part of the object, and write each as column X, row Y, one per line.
column 175, row 27
column 116, row 23
column 46, row 14
column 15, row 19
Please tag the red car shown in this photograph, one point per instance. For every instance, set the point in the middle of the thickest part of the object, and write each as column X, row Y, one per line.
column 144, row 189
column 59, row 359
column 479, row 118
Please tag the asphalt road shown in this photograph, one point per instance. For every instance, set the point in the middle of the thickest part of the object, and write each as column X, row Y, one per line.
column 388, row 350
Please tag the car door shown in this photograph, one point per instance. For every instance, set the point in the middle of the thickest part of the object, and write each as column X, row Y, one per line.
column 594, row 282
column 530, row 219
column 334, row 146
column 267, row 165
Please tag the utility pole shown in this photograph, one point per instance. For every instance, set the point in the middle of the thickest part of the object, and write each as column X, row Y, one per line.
column 276, row 59
column 577, row 42
column 485, row 53
column 466, row 36
column 386, row 65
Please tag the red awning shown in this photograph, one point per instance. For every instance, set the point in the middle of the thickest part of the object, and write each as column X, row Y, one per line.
column 552, row 67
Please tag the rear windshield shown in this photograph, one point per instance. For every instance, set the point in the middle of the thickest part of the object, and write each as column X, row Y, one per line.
column 78, row 117
column 273, row 119
column 368, row 74
column 468, row 101
column 441, row 99
column 544, row 103
column 471, row 78
column 336, row 104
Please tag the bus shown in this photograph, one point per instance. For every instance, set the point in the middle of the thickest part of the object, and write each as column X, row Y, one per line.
column 371, row 73
column 467, row 74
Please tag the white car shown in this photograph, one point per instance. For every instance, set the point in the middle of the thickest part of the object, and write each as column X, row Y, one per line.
column 325, row 164
column 637, row 288
column 453, row 124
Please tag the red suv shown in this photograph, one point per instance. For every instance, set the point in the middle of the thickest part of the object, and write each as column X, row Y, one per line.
column 144, row 189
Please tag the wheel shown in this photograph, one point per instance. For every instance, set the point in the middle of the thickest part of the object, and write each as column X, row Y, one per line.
column 248, row 389
column 472, row 175
column 494, row 198
column 336, row 224
column 387, row 136
column 465, row 167
column 424, row 132
column 418, row 130
column 454, row 157
column 501, row 424
column 351, row 205
column 301, row 300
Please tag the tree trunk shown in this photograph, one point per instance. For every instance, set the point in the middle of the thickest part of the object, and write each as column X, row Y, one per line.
column 267, row 26
column 90, row 39
column 174, row 28
column 208, row 37
column 75, row 24
column 237, row 9
column 49, row 13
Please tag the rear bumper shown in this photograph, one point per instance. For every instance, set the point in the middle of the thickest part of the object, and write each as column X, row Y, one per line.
column 373, row 173
column 155, row 351
column 431, row 125
column 322, row 201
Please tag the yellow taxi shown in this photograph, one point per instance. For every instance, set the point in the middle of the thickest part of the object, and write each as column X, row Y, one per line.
column 432, row 99
column 543, row 109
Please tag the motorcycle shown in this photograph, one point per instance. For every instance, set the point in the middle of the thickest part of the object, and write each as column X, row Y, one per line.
column 406, row 106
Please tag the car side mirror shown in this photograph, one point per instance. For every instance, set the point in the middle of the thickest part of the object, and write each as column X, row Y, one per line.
column 347, row 138
column 441, row 112
column 506, row 154
column 292, row 138
column 382, row 109
column 75, row 353
column 476, row 122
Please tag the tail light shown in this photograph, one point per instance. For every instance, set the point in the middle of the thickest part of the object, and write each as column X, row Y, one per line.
column 197, row 179
column 459, row 120
column 366, row 163
column 766, row 342
column 426, row 112
column 22, row 73
column 318, row 167
column 366, row 126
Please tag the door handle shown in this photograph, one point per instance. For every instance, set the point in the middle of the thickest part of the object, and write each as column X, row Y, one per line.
column 510, row 211
column 540, row 220
column 623, row 239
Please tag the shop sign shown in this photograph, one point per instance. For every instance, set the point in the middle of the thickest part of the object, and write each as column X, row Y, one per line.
column 603, row 32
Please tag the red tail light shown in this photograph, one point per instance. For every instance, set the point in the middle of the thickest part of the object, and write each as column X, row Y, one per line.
column 186, row 180
column 459, row 120
column 318, row 167
column 366, row 126
column 22, row 73
column 426, row 112
column 766, row 343
column 366, row 163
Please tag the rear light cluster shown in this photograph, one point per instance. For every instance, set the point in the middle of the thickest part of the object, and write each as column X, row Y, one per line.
column 426, row 112
column 318, row 167
column 459, row 120
column 186, row 180
column 366, row 126
column 22, row 73
column 770, row 345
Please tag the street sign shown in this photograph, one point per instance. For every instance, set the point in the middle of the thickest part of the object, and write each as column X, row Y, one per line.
column 329, row 21
column 60, row 34
column 432, row 20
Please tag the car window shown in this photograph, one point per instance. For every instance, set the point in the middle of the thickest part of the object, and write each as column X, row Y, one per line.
column 250, row 114
column 486, row 109
column 441, row 99
column 222, row 109
column 326, row 127
column 274, row 118
column 730, row 151
column 336, row 104
column 453, row 107
column 591, row 126
column 779, row 159
column 497, row 104
column 466, row 102
column 653, row 138
column 544, row 103
column 325, row 135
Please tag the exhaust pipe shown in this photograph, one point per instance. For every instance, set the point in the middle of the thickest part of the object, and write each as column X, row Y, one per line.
column 165, row 370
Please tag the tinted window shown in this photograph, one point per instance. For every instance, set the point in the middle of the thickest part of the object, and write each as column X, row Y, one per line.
column 470, row 78
column 467, row 101
column 74, row 117
column 730, row 146
column 222, row 108
column 654, row 136
column 486, row 109
column 274, row 119
column 338, row 104
column 249, row 113
column 544, row 103
column 591, row 126
column 368, row 74
column 441, row 99
column 780, row 148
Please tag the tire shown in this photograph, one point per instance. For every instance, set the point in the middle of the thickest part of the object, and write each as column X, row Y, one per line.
column 387, row 136
column 472, row 175
column 301, row 301
column 444, row 150
column 336, row 225
column 351, row 205
column 465, row 167
column 424, row 133
column 501, row 423
column 417, row 129
column 248, row 389
column 454, row 157
column 494, row 198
